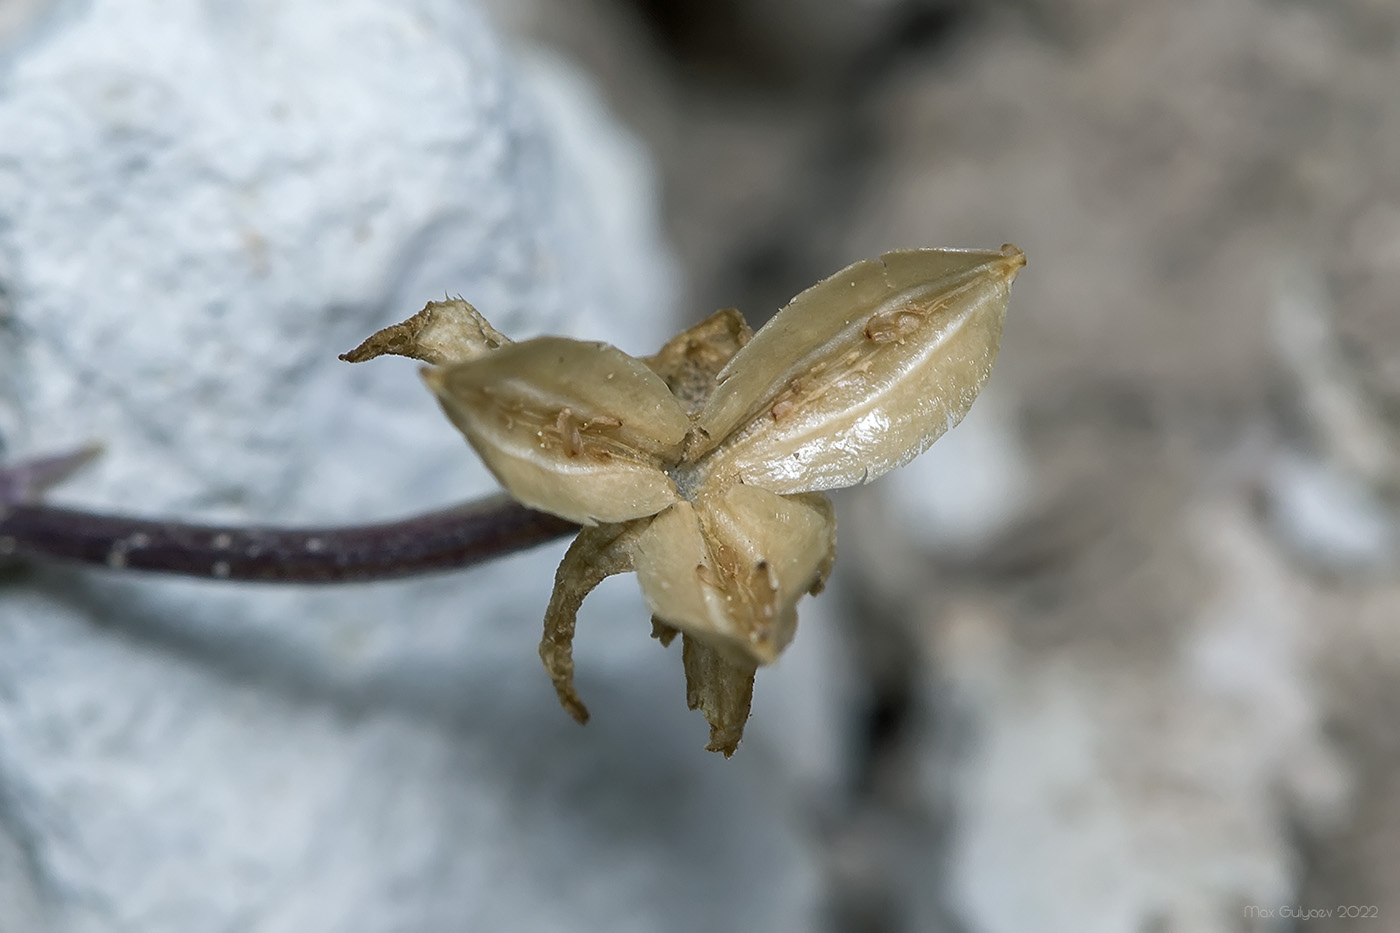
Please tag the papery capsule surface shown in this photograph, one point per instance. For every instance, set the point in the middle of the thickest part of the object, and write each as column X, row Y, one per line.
column 578, row 429
column 860, row 373
column 730, row 568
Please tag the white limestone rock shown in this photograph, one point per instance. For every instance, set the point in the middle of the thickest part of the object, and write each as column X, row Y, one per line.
column 1147, row 790
column 200, row 206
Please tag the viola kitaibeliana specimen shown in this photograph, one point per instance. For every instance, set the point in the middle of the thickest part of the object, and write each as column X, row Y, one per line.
column 702, row 467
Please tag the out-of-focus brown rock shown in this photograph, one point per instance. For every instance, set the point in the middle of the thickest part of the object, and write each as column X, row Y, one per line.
column 1171, row 608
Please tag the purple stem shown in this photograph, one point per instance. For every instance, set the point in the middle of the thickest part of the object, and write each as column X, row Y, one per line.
column 457, row 537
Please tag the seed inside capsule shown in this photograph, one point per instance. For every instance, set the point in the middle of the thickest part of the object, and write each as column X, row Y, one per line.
column 567, row 426
column 895, row 324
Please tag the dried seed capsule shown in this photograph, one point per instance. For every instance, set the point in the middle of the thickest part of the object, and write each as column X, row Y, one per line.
column 730, row 568
column 578, row 429
column 860, row 373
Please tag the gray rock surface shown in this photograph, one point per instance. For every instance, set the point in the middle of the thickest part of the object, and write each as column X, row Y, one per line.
column 199, row 207
column 1151, row 792
column 1157, row 592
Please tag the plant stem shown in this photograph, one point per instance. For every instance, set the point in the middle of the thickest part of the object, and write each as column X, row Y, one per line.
column 458, row 537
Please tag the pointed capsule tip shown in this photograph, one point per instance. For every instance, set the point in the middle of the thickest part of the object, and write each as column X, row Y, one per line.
column 1014, row 258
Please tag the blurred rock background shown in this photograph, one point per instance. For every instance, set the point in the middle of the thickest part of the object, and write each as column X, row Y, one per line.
column 1122, row 653
column 1132, row 660
column 201, row 205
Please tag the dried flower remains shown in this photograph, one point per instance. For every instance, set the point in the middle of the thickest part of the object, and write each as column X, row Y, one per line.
column 701, row 468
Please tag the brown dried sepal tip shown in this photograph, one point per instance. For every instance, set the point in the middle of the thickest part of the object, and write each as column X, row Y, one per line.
column 690, row 361
column 701, row 467
column 444, row 332
column 720, row 686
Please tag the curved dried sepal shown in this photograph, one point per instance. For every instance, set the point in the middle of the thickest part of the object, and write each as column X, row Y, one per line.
column 730, row 569
column 690, row 361
column 444, row 332
column 596, row 554
column 860, row 373
column 721, row 687
column 578, row 429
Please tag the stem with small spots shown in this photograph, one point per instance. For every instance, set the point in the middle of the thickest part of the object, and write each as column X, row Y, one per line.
column 458, row 537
